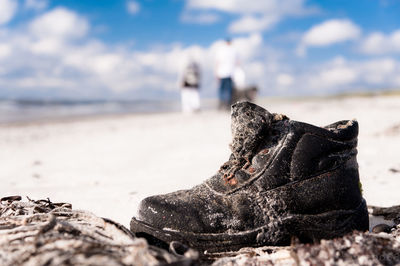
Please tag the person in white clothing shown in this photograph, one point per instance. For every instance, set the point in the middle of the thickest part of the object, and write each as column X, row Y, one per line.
column 226, row 62
column 190, row 85
column 239, row 79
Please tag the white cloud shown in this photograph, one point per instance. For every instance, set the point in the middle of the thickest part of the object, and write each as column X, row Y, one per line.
column 327, row 33
column 8, row 8
column 380, row 71
column 296, row 7
column 233, row 6
column 59, row 23
column 255, row 15
column 330, row 32
column 337, row 76
column 248, row 47
column 5, row 50
column 55, row 53
column 202, row 18
column 36, row 4
column 379, row 43
column 284, row 80
column 341, row 74
column 47, row 46
column 132, row 7
column 253, row 24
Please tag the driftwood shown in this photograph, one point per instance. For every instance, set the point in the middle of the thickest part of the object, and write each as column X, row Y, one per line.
column 45, row 233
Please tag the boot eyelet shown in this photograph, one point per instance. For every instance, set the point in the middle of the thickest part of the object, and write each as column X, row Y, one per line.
column 251, row 170
column 233, row 182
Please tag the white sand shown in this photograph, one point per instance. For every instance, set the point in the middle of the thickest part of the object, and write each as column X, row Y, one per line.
column 107, row 165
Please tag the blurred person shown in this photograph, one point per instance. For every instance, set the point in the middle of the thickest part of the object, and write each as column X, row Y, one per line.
column 190, row 85
column 226, row 62
column 239, row 78
column 241, row 90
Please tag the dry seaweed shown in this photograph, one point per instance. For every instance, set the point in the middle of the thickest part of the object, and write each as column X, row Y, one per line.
column 40, row 232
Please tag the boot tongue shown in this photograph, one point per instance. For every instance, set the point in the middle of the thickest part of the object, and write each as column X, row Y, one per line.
column 248, row 122
column 252, row 125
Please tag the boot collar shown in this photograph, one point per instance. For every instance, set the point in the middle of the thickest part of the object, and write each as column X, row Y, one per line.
column 261, row 140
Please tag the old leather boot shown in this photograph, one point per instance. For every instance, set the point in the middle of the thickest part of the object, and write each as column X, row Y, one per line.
column 284, row 178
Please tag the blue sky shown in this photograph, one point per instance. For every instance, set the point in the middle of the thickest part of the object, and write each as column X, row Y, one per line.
column 121, row 49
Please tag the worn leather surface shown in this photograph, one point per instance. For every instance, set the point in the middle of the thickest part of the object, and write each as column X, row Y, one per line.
column 278, row 167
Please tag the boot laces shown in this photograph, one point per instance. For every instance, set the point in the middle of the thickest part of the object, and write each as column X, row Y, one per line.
column 243, row 147
column 246, row 140
column 229, row 168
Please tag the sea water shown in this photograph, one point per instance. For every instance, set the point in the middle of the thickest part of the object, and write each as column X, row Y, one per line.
column 22, row 110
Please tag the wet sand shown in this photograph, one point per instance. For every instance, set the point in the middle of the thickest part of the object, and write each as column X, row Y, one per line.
column 108, row 164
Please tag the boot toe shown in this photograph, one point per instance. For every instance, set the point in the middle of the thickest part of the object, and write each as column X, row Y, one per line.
column 170, row 212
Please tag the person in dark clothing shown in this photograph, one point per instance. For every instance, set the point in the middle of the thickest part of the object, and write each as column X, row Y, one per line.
column 226, row 61
column 190, row 85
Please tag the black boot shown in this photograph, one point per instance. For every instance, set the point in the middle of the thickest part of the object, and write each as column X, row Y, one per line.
column 284, row 178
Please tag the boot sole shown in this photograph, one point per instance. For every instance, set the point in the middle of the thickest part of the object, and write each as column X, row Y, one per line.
column 307, row 228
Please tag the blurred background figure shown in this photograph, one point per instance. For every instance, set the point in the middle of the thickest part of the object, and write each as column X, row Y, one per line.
column 225, row 64
column 239, row 78
column 190, row 85
column 241, row 90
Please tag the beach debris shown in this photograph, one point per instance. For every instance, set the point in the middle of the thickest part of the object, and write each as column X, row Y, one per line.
column 389, row 213
column 394, row 170
column 41, row 232
column 390, row 131
column 382, row 228
column 357, row 248
column 11, row 198
column 37, row 162
column 354, row 249
column 37, row 176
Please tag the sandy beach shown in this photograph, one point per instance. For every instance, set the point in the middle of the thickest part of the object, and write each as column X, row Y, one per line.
column 108, row 164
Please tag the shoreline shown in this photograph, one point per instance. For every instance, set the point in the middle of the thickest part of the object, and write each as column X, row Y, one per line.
column 209, row 105
column 79, row 118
